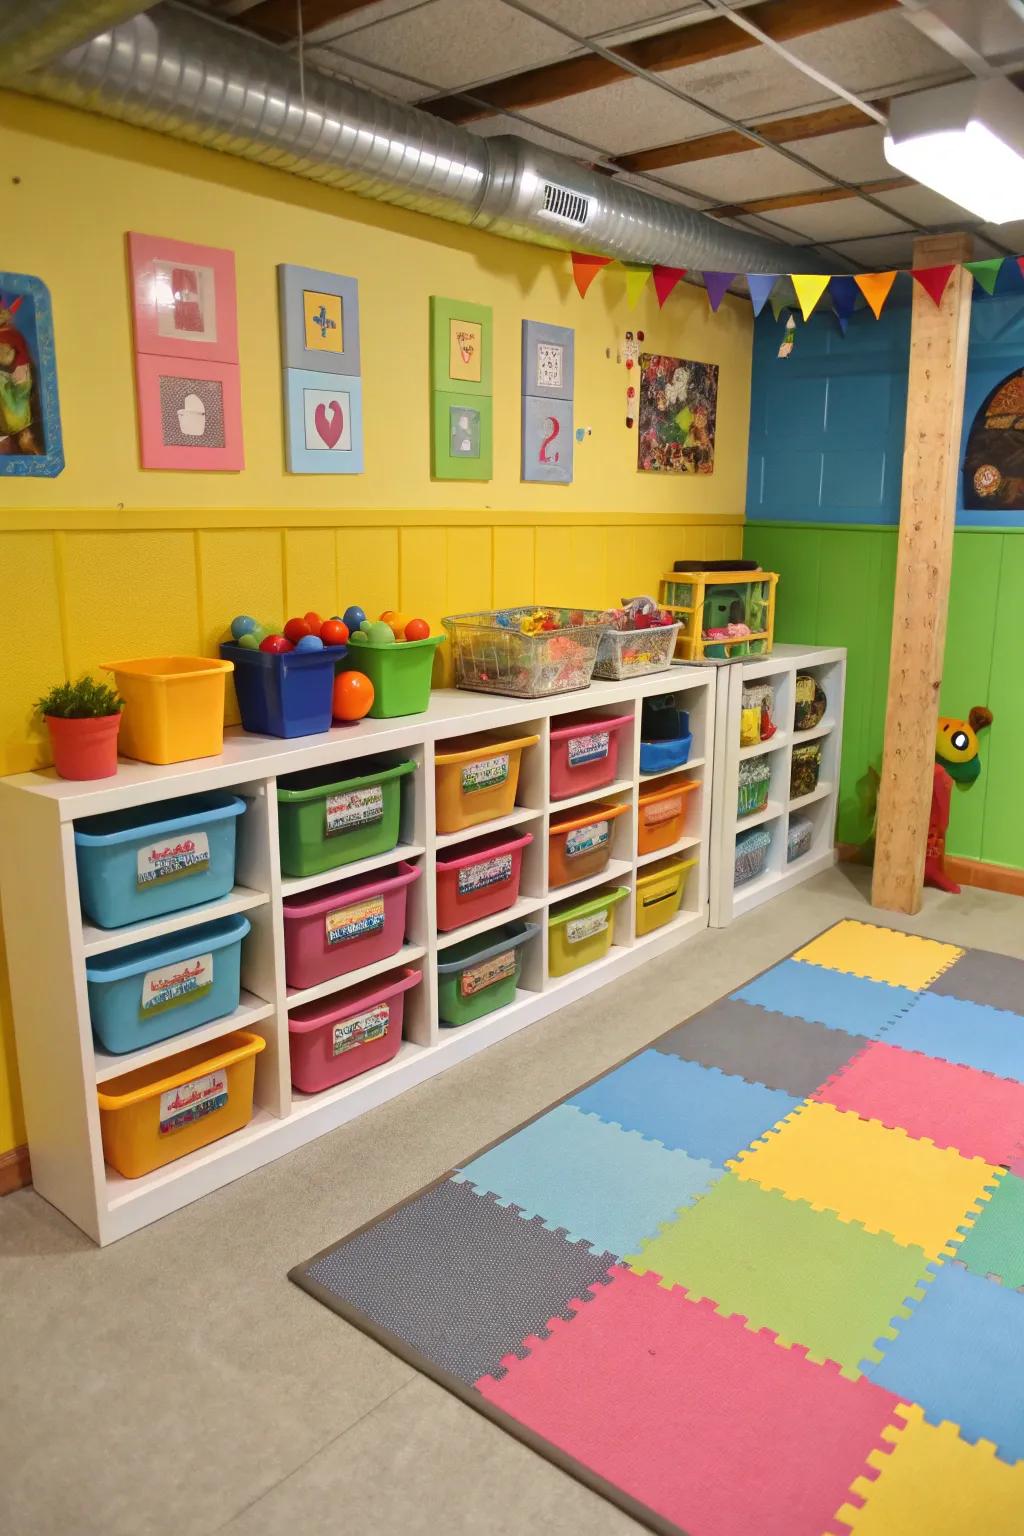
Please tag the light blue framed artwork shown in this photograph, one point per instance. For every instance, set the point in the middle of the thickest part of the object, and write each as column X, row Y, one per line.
column 323, row 423
column 319, row 320
column 547, row 440
column 548, row 360
column 31, row 440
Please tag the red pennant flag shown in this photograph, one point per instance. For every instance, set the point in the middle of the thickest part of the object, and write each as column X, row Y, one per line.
column 1020, row 263
column 585, row 268
column 665, row 279
column 933, row 280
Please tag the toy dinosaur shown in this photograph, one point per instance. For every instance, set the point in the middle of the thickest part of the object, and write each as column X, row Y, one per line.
column 956, row 762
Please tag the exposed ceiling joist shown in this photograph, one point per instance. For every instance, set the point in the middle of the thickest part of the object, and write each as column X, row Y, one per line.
column 809, row 199
column 781, row 130
column 278, row 20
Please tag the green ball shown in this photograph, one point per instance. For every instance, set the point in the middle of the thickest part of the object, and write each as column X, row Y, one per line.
column 250, row 641
column 380, row 634
column 357, row 638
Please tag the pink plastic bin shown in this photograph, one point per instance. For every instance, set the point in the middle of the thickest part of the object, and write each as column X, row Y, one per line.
column 344, row 926
column 585, row 754
column 478, row 878
column 340, row 1037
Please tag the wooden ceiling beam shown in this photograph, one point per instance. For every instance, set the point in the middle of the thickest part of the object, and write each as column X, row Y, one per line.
column 276, row 19
column 781, row 20
column 808, row 199
column 781, row 130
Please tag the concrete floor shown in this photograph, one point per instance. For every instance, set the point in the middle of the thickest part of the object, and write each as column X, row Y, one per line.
column 177, row 1382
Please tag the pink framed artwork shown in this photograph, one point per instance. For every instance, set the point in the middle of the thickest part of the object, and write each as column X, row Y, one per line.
column 190, row 414
column 183, row 298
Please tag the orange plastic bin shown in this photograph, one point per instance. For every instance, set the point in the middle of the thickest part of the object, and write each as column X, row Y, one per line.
column 662, row 814
column 477, row 779
column 580, row 843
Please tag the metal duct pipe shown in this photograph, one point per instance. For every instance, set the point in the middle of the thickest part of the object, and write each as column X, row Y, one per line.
column 193, row 78
column 32, row 32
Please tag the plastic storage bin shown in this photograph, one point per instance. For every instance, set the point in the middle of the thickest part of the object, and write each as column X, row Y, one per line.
column 149, row 992
column 340, row 1037
column 811, row 702
column 580, row 843
column 581, row 931
column 477, row 779
column 332, row 816
column 665, row 738
column 585, row 754
column 751, row 854
column 400, row 674
column 755, row 779
column 806, row 765
column 481, row 974
column 479, row 878
column 158, row 1113
column 798, row 837
column 342, row 927
column 153, row 859
column 287, row 695
column 659, row 894
column 173, row 707
column 756, row 704
column 662, row 814
column 635, row 652
column 491, row 654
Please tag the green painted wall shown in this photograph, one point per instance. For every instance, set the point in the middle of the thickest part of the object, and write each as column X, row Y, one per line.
column 836, row 588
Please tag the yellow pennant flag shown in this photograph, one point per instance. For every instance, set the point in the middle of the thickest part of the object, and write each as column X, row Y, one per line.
column 809, row 290
column 637, row 278
column 875, row 286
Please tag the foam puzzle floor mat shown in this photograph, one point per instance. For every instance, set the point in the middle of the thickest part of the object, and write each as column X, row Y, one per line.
column 763, row 1278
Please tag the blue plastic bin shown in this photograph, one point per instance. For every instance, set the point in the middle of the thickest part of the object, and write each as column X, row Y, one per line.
column 152, row 991
column 155, row 859
column 656, row 756
column 284, row 695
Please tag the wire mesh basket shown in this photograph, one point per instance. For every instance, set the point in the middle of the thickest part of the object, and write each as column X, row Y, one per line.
column 635, row 652
column 491, row 654
column 755, row 779
column 751, row 854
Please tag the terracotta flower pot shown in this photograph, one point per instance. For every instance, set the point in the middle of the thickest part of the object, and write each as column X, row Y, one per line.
column 84, row 749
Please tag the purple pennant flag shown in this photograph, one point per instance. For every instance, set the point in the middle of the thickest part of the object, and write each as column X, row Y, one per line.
column 843, row 293
column 716, row 284
column 760, row 285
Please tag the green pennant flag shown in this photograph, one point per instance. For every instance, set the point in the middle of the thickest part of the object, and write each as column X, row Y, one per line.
column 782, row 297
column 985, row 272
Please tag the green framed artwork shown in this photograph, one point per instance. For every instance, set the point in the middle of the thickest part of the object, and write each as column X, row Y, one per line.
column 462, row 436
column 460, row 346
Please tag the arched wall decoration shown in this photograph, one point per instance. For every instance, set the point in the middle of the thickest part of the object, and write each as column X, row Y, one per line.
column 993, row 472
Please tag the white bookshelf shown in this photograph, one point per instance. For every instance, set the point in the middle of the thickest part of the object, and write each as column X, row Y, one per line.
column 49, row 941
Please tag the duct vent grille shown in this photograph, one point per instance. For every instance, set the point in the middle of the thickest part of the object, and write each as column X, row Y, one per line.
column 565, row 206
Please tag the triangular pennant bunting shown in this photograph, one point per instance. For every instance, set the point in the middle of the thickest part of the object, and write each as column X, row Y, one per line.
column 760, row 285
column 637, row 277
column 809, row 289
column 933, row 280
column 985, row 272
column 665, row 279
column 585, row 268
column 781, row 298
column 876, row 287
column 843, row 293
column 717, row 284
column 1020, row 263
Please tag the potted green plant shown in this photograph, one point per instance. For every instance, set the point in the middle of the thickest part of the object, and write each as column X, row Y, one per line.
column 83, row 719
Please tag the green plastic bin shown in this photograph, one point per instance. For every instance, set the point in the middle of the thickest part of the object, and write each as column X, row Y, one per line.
column 481, row 974
column 400, row 674
column 326, row 821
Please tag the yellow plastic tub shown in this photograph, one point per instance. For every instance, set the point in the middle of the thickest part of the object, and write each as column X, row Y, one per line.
column 158, row 1113
column 477, row 779
column 659, row 894
column 173, row 707
column 580, row 931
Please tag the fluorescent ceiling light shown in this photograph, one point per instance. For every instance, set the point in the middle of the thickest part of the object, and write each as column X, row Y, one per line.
column 966, row 142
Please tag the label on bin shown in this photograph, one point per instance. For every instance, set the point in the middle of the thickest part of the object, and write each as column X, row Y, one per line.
column 488, row 872
column 356, row 808
column 662, row 810
column 361, row 1030
column 586, row 839
column 355, row 922
column 585, row 927
column 171, row 858
column 192, row 1101
column 588, row 749
column 485, row 773
column 475, row 977
column 174, row 984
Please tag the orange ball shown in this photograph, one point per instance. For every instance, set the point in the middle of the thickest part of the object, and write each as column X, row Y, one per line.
column 417, row 629
column 353, row 696
column 314, row 621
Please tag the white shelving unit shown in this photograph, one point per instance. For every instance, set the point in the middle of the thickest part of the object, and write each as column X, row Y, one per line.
column 780, row 669
column 49, row 941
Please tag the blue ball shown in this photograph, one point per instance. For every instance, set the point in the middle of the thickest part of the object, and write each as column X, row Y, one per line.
column 353, row 617
column 243, row 625
column 309, row 643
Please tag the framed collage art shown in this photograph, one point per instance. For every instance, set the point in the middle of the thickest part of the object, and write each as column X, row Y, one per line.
column 321, row 359
column 548, row 369
column 461, row 363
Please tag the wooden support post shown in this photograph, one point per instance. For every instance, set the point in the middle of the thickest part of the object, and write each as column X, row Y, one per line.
column 931, row 462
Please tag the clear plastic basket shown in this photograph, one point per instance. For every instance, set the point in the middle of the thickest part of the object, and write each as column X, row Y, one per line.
column 491, row 654
column 635, row 652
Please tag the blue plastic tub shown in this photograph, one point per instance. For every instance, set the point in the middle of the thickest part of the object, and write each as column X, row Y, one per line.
column 656, row 756
column 286, row 695
column 152, row 991
column 155, row 859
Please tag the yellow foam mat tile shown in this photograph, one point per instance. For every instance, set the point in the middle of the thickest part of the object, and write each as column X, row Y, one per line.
column 930, row 1482
column 880, row 954
column 863, row 1171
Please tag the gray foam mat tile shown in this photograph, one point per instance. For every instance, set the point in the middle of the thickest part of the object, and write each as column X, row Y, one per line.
column 980, row 976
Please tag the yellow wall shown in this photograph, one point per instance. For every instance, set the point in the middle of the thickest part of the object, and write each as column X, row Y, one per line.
column 108, row 560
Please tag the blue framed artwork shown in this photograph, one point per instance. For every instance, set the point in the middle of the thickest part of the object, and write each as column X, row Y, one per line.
column 319, row 320
column 548, row 360
column 31, row 442
column 547, row 440
column 324, row 423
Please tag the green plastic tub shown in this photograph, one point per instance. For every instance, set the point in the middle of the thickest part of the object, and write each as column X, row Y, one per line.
column 400, row 674
column 481, row 974
column 326, row 821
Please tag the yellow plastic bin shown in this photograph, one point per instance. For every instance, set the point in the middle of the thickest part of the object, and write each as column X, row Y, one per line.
column 173, row 707
column 477, row 779
column 580, row 931
column 158, row 1113
column 659, row 894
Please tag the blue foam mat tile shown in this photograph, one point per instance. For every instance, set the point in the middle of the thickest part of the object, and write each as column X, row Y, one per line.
column 969, row 1034
column 833, row 998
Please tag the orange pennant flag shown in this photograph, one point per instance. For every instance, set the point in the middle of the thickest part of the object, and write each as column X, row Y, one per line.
column 875, row 286
column 809, row 290
column 585, row 268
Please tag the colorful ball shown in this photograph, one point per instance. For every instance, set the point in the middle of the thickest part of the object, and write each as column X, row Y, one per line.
column 295, row 629
column 243, row 624
column 417, row 629
column 248, row 641
column 333, row 632
column 313, row 621
column 309, row 643
column 353, row 617
column 353, row 696
column 276, row 645
column 380, row 634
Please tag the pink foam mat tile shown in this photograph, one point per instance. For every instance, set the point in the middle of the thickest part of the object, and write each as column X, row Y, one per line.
column 717, row 1429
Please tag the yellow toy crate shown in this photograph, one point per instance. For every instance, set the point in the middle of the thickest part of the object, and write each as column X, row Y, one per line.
column 709, row 604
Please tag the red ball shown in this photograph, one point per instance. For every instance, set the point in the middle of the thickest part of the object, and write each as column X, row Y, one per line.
column 417, row 629
column 276, row 645
column 295, row 629
column 353, row 695
column 334, row 632
column 314, row 621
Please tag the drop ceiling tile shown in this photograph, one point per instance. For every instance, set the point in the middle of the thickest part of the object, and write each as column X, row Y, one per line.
column 845, row 220
column 880, row 252
column 928, row 208
column 741, row 178
column 491, row 127
column 629, row 115
column 600, row 18
column 656, row 189
column 875, row 53
column 748, row 85
column 335, row 60
column 1011, row 235
column 366, row 16
column 854, row 155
